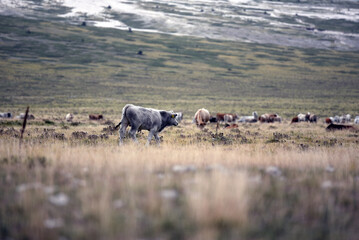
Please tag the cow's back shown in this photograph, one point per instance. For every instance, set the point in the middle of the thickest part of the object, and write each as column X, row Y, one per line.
column 142, row 118
column 205, row 115
column 202, row 116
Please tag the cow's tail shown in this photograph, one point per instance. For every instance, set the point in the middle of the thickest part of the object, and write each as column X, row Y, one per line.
column 123, row 115
column 118, row 125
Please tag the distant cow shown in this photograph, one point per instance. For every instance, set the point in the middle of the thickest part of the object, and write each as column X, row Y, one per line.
column 305, row 118
column 345, row 118
column 228, row 118
column 311, row 118
column 6, row 115
column 69, row 117
column 335, row 119
column 140, row 118
column 333, row 127
column 249, row 119
column 295, row 120
column 277, row 119
column 328, row 120
column 95, row 116
column 356, row 120
column 340, row 119
column 29, row 116
column 201, row 117
column 269, row 118
column 220, row 116
column 302, row 117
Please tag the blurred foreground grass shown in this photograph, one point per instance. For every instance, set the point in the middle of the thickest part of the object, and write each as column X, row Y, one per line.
column 260, row 181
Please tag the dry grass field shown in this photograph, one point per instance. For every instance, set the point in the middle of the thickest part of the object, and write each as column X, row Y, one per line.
column 260, row 181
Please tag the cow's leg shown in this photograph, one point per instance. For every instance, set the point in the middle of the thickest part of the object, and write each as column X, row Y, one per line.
column 157, row 139
column 122, row 131
column 132, row 133
column 149, row 138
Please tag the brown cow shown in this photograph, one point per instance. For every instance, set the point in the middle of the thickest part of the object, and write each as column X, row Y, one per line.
column 95, row 116
column 221, row 117
column 201, row 117
column 294, row 120
column 328, row 120
column 269, row 118
column 333, row 127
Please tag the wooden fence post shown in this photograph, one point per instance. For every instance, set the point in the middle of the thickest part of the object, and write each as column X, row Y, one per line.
column 24, row 125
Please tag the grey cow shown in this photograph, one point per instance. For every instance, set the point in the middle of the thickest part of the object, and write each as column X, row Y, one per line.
column 140, row 118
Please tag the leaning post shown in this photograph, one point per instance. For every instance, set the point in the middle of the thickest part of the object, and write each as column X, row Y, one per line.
column 24, row 125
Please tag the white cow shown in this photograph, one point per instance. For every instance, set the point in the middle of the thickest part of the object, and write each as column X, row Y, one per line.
column 356, row 120
column 340, row 119
column 335, row 119
column 249, row 119
column 6, row 115
column 345, row 118
column 22, row 116
column 302, row 117
column 69, row 117
column 228, row 118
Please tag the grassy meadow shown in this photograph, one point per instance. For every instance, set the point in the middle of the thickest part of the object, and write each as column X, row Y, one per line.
column 258, row 181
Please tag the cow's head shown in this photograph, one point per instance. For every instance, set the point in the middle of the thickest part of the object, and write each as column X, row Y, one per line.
column 169, row 118
column 173, row 119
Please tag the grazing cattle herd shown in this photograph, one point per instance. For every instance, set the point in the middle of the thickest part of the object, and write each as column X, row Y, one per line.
column 153, row 120
column 340, row 119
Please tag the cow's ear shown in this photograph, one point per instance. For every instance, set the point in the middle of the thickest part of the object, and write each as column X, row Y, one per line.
column 164, row 114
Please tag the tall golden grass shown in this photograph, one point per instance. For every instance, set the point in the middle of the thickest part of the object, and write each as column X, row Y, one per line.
column 102, row 191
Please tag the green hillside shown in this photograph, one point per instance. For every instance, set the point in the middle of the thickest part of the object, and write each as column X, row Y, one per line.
column 58, row 66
